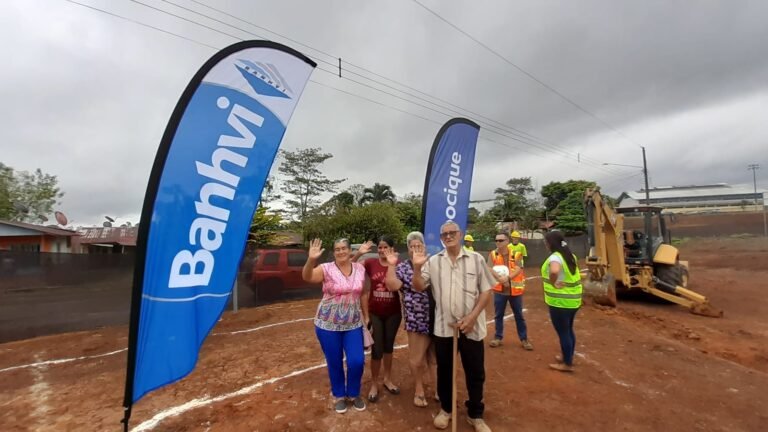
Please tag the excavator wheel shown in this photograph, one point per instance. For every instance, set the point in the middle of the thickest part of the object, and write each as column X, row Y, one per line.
column 603, row 292
column 671, row 274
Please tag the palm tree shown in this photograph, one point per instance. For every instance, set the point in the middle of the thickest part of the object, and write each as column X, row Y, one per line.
column 378, row 193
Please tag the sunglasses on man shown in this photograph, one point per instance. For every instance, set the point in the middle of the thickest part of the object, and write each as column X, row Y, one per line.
column 447, row 234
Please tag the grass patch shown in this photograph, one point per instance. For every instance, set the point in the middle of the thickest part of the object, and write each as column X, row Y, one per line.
column 742, row 236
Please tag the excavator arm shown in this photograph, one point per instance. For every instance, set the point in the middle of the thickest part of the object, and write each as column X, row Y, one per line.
column 605, row 261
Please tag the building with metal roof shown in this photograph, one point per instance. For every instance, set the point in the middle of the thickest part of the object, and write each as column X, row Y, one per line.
column 20, row 236
column 719, row 197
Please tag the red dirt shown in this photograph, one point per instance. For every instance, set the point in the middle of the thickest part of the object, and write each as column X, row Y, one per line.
column 709, row 225
column 640, row 367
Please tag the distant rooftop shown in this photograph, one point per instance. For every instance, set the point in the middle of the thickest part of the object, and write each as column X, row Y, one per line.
column 716, row 189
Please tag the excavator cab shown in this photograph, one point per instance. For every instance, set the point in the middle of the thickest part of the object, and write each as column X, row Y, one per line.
column 636, row 244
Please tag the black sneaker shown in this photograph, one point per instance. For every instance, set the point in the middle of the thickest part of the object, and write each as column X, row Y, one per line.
column 358, row 403
column 340, row 406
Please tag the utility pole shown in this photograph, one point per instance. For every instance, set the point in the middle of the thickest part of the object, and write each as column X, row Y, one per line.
column 754, row 168
column 648, row 241
column 645, row 174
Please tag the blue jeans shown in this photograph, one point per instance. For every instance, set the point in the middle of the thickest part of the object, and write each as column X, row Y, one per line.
column 562, row 321
column 335, row 345
column 500, row 305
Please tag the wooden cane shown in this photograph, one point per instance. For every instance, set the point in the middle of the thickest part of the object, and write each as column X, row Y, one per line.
column 453, row 378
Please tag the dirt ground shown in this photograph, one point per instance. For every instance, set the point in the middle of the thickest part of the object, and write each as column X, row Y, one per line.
column 644, row 366
column 683, row 225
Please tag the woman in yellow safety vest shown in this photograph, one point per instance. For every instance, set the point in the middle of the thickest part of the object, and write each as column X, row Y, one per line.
column 562, row 293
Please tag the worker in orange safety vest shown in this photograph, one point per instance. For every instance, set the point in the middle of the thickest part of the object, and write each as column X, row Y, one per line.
column 507, row 266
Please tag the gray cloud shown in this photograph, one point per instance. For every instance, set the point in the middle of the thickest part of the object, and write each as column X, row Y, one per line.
column 87, row 96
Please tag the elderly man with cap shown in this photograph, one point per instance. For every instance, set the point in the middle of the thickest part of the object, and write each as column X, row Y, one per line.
column 468, row 241
column 516, row 246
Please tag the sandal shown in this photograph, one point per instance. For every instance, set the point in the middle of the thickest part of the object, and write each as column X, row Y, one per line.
column 394, row 390
column 373, row 397
column 420, row 401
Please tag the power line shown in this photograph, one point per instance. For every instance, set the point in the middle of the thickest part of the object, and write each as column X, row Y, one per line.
column 526, row 73
column 260, row 27
column 333, row 65
column 510, row 129
column 316, row 82
column 141, row 23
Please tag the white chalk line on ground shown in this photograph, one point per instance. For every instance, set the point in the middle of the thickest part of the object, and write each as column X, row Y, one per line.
column 60, row 361
column 263, row 327
column 604, row 370
column 39, row 392
column 68, row 360
column 207, row 400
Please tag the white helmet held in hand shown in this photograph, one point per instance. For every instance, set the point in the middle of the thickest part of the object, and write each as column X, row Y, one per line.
column 501, row 270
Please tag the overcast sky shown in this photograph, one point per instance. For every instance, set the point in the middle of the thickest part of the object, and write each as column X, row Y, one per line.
column 86, row 96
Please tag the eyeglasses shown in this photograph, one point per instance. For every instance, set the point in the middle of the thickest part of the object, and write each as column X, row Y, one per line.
column 500, row 240
column 447, row 234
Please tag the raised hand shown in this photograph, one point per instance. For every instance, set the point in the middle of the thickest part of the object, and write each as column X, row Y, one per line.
column 315, row 250
column 419, row 256
column 392, row 257
column 365, row 247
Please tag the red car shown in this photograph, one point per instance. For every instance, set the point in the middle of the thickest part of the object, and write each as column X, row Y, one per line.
column 276, row 272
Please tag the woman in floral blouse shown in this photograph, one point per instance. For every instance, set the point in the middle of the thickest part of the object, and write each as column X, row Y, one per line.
column 339, row 320
column 418, row 320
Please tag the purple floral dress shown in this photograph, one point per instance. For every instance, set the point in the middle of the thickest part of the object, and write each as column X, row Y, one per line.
column 416, row 303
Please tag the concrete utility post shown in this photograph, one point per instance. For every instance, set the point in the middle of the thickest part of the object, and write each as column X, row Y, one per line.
column 648, row 240
column 754, row 168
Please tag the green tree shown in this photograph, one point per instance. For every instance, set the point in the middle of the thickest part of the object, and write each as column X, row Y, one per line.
column 357, row 190
column 510, row 207
column 270, row 192
column 358, row 224
column 473, row 215
column 338, row 203
column 569, row 213
column 378, row 193
column 264, row 227
column 25, row 196
column 513, row 202
column 7, row 185
column 485, row 227
column 409, row 211
column 555, row 192
column 520, row 186
column 304, row 181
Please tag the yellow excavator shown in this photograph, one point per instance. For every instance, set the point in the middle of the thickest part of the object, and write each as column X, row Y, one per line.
column 623, row 260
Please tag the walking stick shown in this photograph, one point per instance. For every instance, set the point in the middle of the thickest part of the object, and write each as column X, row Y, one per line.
column 453, row 377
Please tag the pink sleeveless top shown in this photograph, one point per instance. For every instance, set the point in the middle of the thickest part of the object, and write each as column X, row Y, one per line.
column 339, row 310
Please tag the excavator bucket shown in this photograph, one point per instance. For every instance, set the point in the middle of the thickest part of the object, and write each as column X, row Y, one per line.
column 602, row 291
column 706, row 309
column 695, row 302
